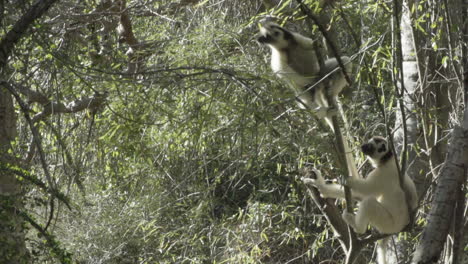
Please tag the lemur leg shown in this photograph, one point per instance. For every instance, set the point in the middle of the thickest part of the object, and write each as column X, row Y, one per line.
column 372, row 212
column 321, row 112
column 323, row 109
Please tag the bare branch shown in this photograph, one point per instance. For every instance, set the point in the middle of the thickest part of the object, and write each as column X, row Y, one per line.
column 78, row 105
column 135, row 53
column 17, row 31
column 322, row 29
column 330, row 211
column 33, row 96
column 36, row 137
column 50, row 107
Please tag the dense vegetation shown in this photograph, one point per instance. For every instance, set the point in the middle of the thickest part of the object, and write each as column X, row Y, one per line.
column 196, row 152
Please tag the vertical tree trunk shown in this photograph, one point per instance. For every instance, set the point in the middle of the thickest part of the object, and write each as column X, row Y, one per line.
column 12, row 244
column 415, row 167
column 448, row 195
column 449, row 185
column 408, row 84
column 12, row 236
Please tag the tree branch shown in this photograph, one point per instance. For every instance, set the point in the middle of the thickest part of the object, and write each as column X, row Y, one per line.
column 36, row 138
column 322, row 29
column 449, row 185
column 78, row 105
column 330, row 211
column 50, row 107
column 19, row 28
column 53, row 107
column 332, row 102
column 135, row 53
column 350, row 244
column 33, row 96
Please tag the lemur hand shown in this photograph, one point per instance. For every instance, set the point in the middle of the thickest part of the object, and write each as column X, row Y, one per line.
column 317, row 182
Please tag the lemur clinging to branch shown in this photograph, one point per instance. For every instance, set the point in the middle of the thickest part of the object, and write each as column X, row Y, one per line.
column 382, row 202
column 293, row 59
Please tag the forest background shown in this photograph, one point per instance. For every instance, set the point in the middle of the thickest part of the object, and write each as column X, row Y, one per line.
column 155, row 132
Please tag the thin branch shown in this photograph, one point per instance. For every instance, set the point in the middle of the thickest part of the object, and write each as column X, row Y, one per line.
column 78, row 105
column 324, row 32
column 154, row 13
column 330, row 211
column 36, row 137
column 59, row 252
column 50, row 107
column 352, row 247
column 53, row 107
column 36, row 181
column 332, row 101
column 400, row 92
column 450, row 42
column 75, row 176
column 19, row 28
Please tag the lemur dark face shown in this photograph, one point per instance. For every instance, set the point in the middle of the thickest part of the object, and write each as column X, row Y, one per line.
column 274, row 35
column 376, row 148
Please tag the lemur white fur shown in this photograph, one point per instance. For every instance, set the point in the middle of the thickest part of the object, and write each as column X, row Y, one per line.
column 382, row 202
column 294, row 60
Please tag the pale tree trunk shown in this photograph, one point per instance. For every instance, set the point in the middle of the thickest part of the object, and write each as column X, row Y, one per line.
column 415, row 166
column 407, row 133
column 12, row 235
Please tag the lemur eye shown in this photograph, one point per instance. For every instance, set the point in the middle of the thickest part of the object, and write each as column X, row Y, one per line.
column 277, row 33
column 382, row 148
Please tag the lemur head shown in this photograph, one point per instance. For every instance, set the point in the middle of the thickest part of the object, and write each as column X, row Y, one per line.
column 275, row 36
column 377, row 150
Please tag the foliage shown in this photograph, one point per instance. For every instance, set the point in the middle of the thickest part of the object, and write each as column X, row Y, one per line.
column 196, row 158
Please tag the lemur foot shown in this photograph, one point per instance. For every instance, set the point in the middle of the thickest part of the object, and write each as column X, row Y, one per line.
column 321, row 112
column 350, row 219
column 332, row 111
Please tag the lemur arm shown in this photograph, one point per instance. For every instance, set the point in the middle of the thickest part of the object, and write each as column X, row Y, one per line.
column 362, row 187
column 303, row 42
column 330, row 190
